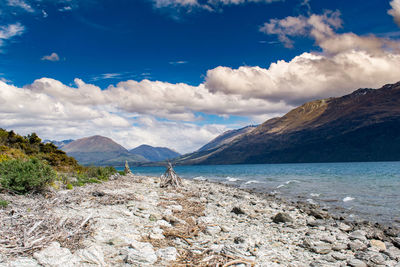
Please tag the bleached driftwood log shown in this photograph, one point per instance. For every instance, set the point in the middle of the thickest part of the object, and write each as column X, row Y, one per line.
column 127, row 170
column 170, row 178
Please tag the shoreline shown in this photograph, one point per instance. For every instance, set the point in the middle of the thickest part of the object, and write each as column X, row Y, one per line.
column 131, row 221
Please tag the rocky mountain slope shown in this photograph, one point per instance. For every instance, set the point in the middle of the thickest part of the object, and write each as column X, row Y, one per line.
column 155, row 153
column 100, row 150
column 362, row 126
column 226, row 138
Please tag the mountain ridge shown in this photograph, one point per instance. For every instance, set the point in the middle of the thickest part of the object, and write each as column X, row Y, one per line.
column 154, row 153
column 354, row 127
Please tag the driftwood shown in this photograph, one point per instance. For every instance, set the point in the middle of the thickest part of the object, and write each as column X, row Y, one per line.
column 170, row 178
column 127, row 170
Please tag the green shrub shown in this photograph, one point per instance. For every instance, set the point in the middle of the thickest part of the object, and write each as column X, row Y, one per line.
column 70, row 186
column 101, row 173
column 3, row 203
column 28, row 176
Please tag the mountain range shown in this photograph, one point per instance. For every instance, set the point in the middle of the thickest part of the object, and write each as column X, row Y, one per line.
column 361, row 126
column 100, row 150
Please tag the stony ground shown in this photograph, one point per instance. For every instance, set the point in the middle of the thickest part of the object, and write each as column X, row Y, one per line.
column 131, row 221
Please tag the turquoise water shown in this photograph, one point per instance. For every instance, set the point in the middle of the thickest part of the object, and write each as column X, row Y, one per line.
column 366, row 190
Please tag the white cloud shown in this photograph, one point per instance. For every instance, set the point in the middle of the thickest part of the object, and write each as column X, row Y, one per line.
column 52, row 57
column 210, row 5
column 347, row 62
column 10, row 31
column 166, row 114
column 395, row 11
column 180, row 62
column 65, row 8
column 57, row 111
column 22, row 4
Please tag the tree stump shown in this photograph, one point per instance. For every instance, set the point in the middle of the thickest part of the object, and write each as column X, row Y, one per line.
column 170, row 178
column 127, row 170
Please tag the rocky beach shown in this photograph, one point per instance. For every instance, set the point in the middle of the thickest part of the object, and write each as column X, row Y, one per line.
column 132, row 221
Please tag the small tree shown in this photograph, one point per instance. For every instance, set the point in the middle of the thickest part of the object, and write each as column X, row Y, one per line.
column 170, row 178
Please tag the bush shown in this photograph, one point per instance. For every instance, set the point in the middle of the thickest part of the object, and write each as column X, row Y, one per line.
column 85, row 175
column 101, row 173
column 24, row 177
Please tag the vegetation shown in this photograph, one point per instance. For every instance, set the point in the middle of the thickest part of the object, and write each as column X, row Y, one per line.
column 28, row 165
column 93, row 175
column 3, row 203
column 14, row 146
column 23, row 176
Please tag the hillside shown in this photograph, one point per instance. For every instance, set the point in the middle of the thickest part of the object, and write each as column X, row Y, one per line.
column 155, row 153
column 59, row 144
column 99, row 150
column 226, row 138
column 362, row 126
column 15, row 146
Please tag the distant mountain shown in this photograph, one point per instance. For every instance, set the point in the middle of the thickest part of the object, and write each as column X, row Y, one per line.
column 58, row 144
column 226, row 138
column 100, row 150
column 155, row 153
column 362, row 126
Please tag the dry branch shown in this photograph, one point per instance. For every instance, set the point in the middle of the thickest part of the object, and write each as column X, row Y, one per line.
column 170, row 178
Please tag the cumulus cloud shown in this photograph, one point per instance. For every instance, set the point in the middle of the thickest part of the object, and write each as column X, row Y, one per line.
column 166, row 114
column 127, row 111
column 9, row 31
column 54, row 110
column 347, row 62
column 395, row 11
column 52, row 57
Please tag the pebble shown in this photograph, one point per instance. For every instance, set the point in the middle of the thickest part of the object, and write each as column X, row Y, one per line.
column 282, row 218
column 378, row 244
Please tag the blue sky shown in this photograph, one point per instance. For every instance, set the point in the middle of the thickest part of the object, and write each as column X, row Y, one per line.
column 193, row 68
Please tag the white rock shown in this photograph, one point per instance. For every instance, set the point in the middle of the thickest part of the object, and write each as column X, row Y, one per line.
column 167, row 254
column 213, row 230
column 358, row 235
column 92, row 255
column 167, row 212
column 206, row 220
column 55, row 256
column 141, row 253
column 163, row 223
column 24, row 262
